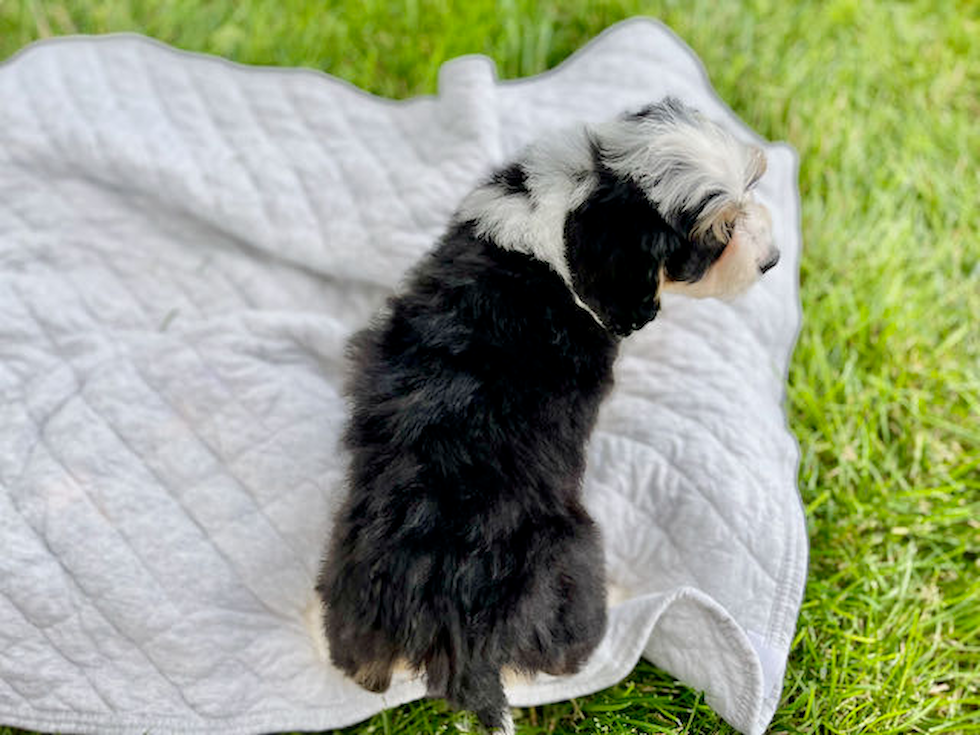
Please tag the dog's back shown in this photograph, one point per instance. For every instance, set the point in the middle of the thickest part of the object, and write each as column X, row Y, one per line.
column 463, row 547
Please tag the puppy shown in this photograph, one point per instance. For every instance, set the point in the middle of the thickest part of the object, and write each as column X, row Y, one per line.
column 463, row 546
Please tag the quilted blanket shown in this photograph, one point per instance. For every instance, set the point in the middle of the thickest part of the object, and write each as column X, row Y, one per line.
column 186, row 244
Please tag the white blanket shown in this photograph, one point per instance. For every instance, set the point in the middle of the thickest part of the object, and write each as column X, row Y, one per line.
column 185, row 245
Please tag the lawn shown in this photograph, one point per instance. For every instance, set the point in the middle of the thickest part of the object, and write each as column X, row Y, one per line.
column 882, row 101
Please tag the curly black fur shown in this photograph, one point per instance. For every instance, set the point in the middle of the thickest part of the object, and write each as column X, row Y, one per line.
column 463, row 546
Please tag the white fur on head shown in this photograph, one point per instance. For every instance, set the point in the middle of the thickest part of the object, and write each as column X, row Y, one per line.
column 683, row 162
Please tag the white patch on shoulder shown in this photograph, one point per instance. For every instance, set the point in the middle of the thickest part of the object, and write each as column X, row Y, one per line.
column 560, row 176
column 680, row 159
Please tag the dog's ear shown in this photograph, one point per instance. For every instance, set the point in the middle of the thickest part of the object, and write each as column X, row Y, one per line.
column 617, row 245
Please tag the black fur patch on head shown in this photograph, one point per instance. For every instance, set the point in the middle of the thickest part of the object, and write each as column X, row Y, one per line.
column 669, row 108
column 690, row 264
column 512, row 179
column 616, row 244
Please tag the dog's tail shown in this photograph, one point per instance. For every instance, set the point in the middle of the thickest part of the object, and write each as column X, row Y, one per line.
column 469, row 681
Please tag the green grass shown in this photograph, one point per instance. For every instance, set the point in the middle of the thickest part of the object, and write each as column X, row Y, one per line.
column 882, row 101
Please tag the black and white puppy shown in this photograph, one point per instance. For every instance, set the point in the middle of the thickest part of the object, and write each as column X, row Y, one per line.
column 463, row 547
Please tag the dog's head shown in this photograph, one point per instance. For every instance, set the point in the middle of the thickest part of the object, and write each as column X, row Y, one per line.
column 657, row 200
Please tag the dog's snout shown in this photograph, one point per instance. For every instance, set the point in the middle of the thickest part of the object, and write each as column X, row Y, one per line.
column 770, row 261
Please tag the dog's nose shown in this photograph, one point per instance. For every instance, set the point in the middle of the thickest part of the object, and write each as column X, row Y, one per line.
column 770, row 261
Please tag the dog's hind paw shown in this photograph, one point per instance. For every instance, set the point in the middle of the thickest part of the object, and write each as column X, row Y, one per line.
column 374, row 676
